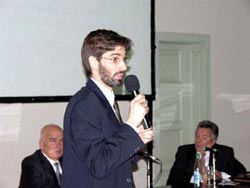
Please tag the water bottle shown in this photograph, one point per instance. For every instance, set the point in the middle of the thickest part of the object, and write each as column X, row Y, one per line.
column 197, row 171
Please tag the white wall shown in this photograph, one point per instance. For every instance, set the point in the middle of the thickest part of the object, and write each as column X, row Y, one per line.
column 21, row 138
column 227, row 23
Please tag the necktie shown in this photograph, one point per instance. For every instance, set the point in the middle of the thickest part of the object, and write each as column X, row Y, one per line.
column 117, row 111
column 58, row 175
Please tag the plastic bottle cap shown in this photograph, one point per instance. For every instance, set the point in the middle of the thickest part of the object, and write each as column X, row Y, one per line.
column 198, row 155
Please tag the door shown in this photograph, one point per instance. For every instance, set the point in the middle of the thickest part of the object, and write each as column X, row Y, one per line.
column 182, row 94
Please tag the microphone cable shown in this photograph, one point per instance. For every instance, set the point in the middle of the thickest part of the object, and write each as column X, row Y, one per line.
column 159, row 174
column 156, row 160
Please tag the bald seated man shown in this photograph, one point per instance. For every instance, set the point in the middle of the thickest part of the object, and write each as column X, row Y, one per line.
column 43, row 168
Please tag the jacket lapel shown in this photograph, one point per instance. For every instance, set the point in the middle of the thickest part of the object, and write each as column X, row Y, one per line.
column 110, row 113
column 48, row 168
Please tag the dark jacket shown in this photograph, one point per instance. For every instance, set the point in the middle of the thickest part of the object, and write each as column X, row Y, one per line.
column 97, row 149
column 182, row 169
column 37, row 172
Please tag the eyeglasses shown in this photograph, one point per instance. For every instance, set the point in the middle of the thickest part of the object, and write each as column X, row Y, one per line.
column 117, row 60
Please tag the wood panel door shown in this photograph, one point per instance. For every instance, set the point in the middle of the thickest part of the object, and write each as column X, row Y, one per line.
column 182, row 94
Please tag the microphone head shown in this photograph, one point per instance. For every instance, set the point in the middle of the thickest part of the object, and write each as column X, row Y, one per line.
column 132, row 83
column 210, row 149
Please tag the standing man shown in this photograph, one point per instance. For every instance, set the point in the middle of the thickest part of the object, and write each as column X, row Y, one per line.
column 99, row 148
column 43, row 169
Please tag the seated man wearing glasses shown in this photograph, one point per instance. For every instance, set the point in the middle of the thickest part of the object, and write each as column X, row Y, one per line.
column 207, row 132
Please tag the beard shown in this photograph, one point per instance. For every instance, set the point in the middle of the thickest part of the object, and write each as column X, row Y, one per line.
column 106, row 77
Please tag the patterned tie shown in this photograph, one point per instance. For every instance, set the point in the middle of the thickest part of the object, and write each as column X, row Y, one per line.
column 117, row 111
column 58, row 175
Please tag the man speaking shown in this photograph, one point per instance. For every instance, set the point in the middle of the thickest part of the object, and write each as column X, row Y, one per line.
column 99, row 146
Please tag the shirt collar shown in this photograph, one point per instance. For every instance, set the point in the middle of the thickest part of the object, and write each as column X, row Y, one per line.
column 52, row 162
column 110, row 96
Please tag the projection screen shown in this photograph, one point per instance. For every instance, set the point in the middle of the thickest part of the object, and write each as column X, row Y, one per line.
column 41, row 43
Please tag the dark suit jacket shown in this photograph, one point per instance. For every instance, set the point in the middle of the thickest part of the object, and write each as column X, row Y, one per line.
column 97, row 149
column 182, row 169
column 37, row 172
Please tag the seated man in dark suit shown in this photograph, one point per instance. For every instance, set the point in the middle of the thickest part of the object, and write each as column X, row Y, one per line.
column 42, row 169
column 181, row 174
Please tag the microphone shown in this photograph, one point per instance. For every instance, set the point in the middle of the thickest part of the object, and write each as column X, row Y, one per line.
column 132, row 85
column 213, row 150
column 148, row 156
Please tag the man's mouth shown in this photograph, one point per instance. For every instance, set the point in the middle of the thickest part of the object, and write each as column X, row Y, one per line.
column 119, row 75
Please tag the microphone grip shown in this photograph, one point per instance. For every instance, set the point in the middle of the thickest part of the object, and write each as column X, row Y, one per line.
column 144, row 121
column 135, row 93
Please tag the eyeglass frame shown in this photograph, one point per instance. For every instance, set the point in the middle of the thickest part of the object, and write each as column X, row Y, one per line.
column 117, row 60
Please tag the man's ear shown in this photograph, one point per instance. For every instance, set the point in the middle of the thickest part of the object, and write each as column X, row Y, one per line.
column 93, row 62
column 41, row 146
